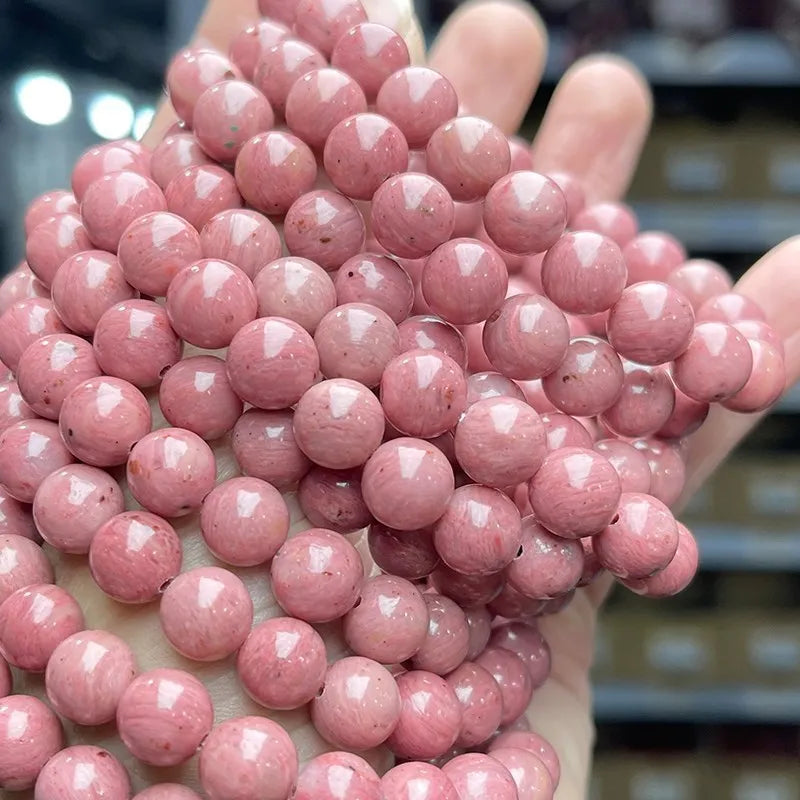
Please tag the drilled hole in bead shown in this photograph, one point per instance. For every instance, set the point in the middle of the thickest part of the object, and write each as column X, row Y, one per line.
column 357, row 603
column 163, row 587
column 615, row 519
column 519, row 552
column 164, row 370
column 321, row 691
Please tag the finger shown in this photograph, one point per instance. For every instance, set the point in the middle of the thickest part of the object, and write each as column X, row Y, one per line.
column 595, row 126
column 774, row 283
column 494, row 53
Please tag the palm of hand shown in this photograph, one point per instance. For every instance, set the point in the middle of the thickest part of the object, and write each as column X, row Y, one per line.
column 493, row 52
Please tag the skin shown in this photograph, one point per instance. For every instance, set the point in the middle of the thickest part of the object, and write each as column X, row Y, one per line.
column 493, row 51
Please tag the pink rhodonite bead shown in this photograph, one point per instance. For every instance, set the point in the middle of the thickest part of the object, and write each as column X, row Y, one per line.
column 475, row 776
column 332, row 499
column 250, row 44
column 16, row 518
column 53, row 241
column 533, row 743
column 22, row 563
column 13, row 407
column 49, row 205
column 83, row 771
column 652, row 255
column 335, row 775
column 173, row 154
column 200, row 192
column 530, row 773
column 528, row 643
column 615, row 220
column 428, row 782
column 241, row 237
column 445, row 647
column 429, row 332
column 163, row 716
column 513, row 678
column 22, row 324
column 406, row 554
column 123, row 155
column 166, row 791
column 482, row 704
column 21, row 284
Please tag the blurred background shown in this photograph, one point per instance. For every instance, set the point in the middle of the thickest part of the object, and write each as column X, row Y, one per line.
column 698, row 696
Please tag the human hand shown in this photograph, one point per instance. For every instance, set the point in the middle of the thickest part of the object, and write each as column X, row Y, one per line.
column 493, row 52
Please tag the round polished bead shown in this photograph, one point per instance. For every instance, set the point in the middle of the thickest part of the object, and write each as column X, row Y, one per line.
column 500, row 441
column 513, row 678
column 83, row 771
column 273, row 170
column 20, row 284
column 332, row 499
column 244, row 521
column 359, row 705
column 248, row 758
column 323, row 24
column 429, row 332
column 631, row 464
column 468, row 155
column 755, row 329
column 447, row 641
column 241, row 237
column 134, row 556
column 196, row 394
column 252, row 42
column 464, row 281
column 766, row 383
column 370, row 141
column 33, row 621
column 486, row 385
column 319, row 100
column 667, row 469
column 479, row 622
column 166, row 791
column 466, row 590
column 481, row 703
column 296, row 289
column 113, row 202
column 199, row 193
column 264, row 447
column 524, row 212
column 416, row 780
column 173, row 154
column 407, row 483
column 22, row 324
column 134, row 341
column 191, row 72
column 102, row 419
column 163, row 716
column 531, row 776
column 533, row 743
column 651, row 323
column 527, row 642
column 170, row 471
column 612, row 219
column 376, row 280
column 645, row 404
column 87, row 674
column 106, row 159
column 418, row 100
column 584, row 272
column 226, row 115
column 53, row 241
column 86, row 286
column 30, row 734
column 356, row 341
column 730, row 307
column 72, row 503
column 479, row 533
column 209, row 301
column 206, row 613
column 390, row 622
column 282, row 663
column 575, row 493
column 509, row 603
column 317, row 576
column 22, row 563
column 406, row 554
column 642, row 540
column 423, row 392
column 652, row 255
column 338, row 423
column 546, row 565
column 271, row 362
column 561, row 430
column 412, row 214
column 588, row 381
column 279, row 67
column 49, row 205
column 527, row 337
column 29, row 451
column 572, row 189
column 336, row 775
column 50, row 368
column 698, row 280
column 16, row 518
column 324, row 227
column 676, row 576
column 687, row 416
column 716, row 364
column 13, row 407
column 475, row 776
column 154, row 248
column 430, row 716
column 370, row 53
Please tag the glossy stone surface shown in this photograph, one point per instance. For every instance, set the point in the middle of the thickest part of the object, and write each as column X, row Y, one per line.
column 54, row 240
column 445, row 647
column 83, row 771
column 331, row 776
column 281, row 65
column 200, row 192
column 332, row 499
column 241, row 237
column 476, row 776
column 22, row 324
